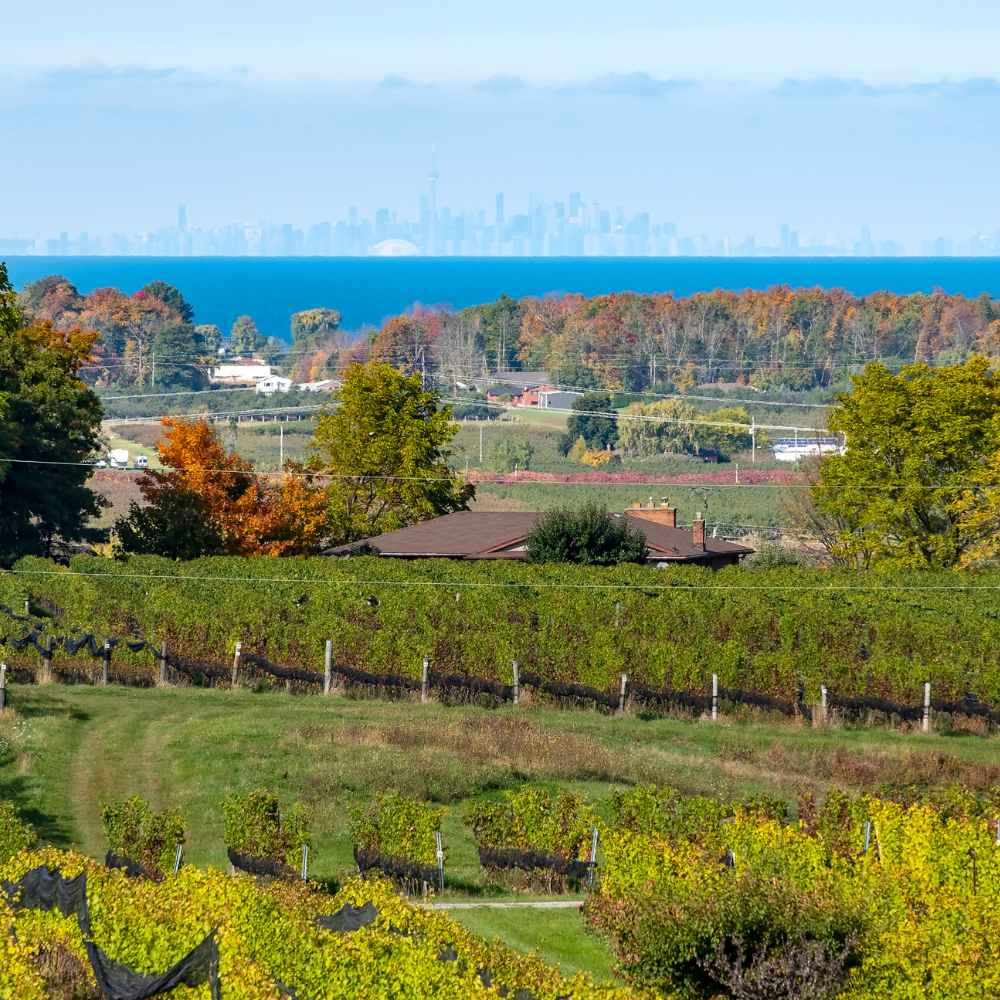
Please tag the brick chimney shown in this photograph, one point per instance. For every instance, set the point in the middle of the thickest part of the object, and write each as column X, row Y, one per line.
column 661, row 513
column 698, row 531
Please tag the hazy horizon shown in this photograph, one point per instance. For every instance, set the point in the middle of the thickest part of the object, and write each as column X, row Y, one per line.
column 729, row 123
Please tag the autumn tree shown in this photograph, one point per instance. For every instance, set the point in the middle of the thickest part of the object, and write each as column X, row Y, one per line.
column 49, row 430
column 404, row 341
column 386, row 447
column 210, row 501
column 916, row 441
column 171, row 298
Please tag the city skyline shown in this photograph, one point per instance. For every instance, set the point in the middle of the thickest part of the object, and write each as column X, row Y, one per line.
column 573, row 226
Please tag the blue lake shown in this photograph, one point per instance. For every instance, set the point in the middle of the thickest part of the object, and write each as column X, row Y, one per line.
column 367, row 290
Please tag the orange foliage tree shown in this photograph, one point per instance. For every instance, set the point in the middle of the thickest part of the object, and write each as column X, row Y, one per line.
column 211, row 501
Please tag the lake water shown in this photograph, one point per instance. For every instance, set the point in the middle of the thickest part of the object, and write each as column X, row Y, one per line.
column 367, row 290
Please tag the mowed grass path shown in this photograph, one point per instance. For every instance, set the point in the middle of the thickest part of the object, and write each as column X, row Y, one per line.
column 75, row 747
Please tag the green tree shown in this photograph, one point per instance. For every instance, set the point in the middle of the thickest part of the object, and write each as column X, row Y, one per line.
column 210, row 336
column 915, row 440
column 244, row 337
column 171, row 298
column 600, row 432
column 663, row 427
column 590, row 536
column 499, row 330
column 49, row 424
column 177, row 350
column 512, row 453
column 722, row 431
column 312, row 328
column 178, row 526
column 386, row 446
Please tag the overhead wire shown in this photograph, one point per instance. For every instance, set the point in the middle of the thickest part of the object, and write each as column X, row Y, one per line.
column 508, row 585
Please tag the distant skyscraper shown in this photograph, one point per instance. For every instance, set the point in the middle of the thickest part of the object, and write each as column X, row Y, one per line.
column 182, row 218
column 432, row 178
column 500, row 219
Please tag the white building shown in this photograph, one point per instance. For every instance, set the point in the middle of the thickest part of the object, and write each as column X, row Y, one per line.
column 271, row 384
column 240, row 372
column 323, row 385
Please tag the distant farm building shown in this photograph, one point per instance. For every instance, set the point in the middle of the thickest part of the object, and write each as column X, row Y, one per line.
column 240, row 372
column 557, row 399
column 271, row 384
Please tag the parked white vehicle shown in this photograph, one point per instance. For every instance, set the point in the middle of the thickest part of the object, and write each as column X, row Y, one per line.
column 118, row 458
column 141, row 462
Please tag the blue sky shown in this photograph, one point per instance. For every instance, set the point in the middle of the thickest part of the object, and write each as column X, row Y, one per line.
column 729, row 121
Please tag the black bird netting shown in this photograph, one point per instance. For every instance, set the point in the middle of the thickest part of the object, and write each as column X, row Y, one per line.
column 669, row 699
column 119, row 982
column 197, row 670
column 573, row 692
column 285, row 673
column 470, row 685
column 45, row 888
column 970, row 705
column 369, row 861
column 133, row 869
column 349, row 918
column 502, row 857
column 259, row 866
column 865, row 704
column 33, row 638
column 377, row 680
column 740, row 697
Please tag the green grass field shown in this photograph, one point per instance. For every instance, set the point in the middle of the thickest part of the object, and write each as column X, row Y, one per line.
column 64, row 750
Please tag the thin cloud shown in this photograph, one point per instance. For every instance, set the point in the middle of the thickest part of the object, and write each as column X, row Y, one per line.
column 73, row 77
column 394, row 82
column 633, row 85
column 837, row 88
column 501, row 85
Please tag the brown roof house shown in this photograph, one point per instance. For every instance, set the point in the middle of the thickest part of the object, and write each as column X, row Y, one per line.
column 483, row 534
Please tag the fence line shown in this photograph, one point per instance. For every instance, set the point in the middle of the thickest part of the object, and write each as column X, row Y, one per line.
column 628, row 692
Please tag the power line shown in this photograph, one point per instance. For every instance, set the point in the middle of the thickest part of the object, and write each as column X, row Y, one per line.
column 616, row 415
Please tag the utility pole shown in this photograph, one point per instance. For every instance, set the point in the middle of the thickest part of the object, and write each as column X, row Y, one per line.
column 281, row 446
column 480, row 445
column 152, row 380
column 753, row 440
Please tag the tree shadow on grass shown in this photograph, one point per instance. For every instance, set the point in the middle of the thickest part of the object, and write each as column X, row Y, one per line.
column 50, row 829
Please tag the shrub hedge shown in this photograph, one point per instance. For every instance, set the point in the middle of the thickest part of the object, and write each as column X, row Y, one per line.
column 133, row 830
column 393, row 826
column 763, row 630
column 255, row 826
